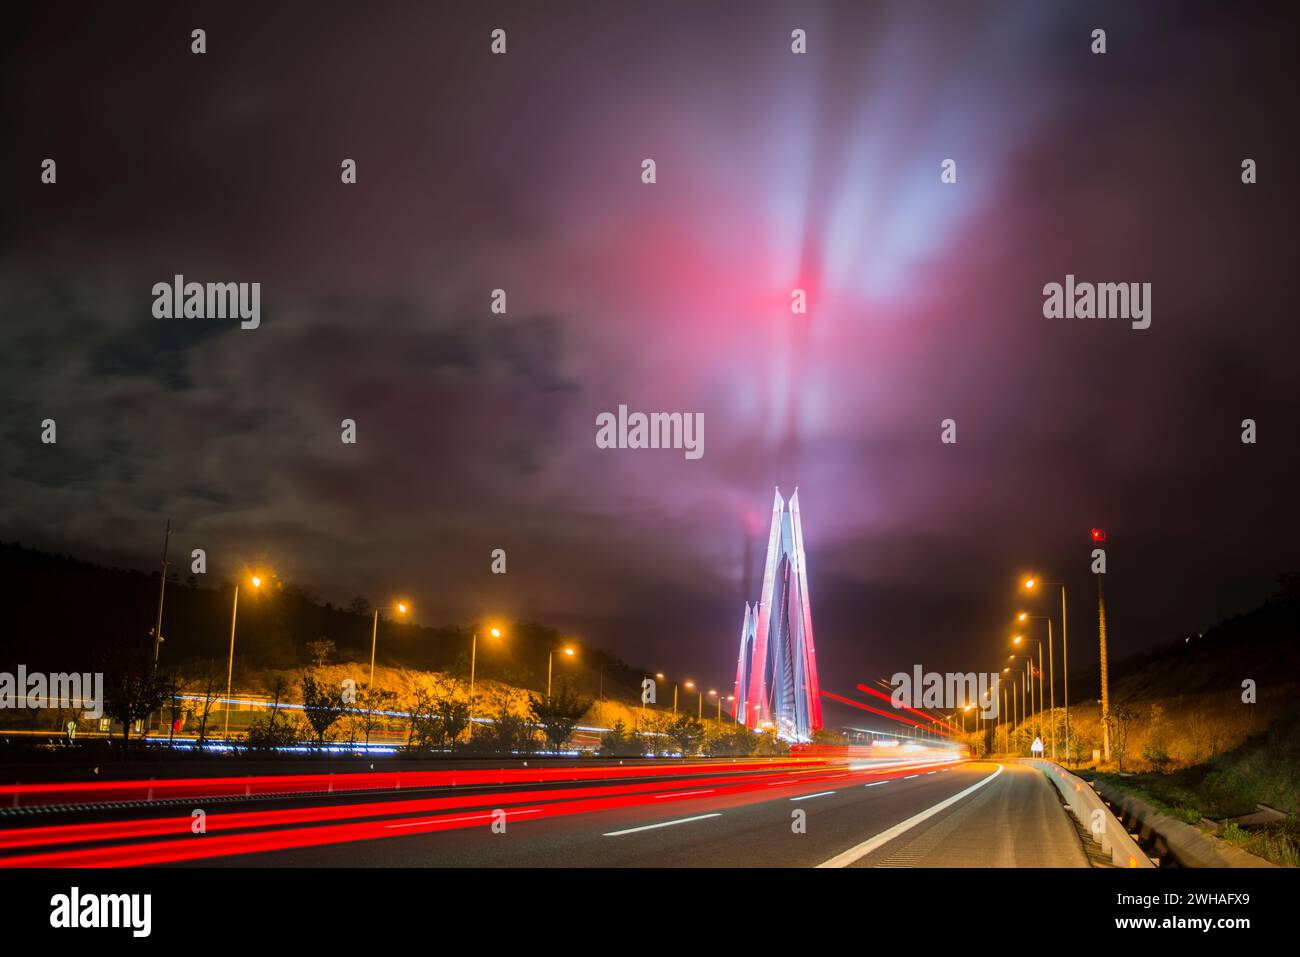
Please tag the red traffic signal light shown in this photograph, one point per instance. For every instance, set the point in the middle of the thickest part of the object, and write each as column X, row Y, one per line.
column 1098, row 534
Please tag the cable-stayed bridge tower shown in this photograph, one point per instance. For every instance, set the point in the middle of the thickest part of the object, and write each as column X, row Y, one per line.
column 776, row 673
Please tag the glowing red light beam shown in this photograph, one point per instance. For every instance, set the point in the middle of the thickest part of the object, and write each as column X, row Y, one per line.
column 886, row 714
column 921, row 714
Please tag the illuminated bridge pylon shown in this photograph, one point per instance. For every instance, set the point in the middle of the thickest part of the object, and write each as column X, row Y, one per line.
column 776, row 673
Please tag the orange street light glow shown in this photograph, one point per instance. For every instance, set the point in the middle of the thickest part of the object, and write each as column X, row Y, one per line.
column 495, row 632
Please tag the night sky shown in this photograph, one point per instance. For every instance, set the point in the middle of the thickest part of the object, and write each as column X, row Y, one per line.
column 775, row 171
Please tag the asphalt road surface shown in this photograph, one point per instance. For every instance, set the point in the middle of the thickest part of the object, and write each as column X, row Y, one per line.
column 709, row 814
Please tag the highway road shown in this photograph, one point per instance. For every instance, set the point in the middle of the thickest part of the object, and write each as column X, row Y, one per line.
column 919, row 812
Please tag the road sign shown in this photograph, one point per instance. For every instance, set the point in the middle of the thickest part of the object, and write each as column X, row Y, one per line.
column 1037, row 746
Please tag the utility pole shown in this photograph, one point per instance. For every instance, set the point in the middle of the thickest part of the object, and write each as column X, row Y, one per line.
column 1105, row 678
column 162, row 591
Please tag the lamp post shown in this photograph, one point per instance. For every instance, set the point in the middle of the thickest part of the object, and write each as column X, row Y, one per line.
column 1018, row 697
column 473, row 661
column 1051, row 672
column 1026, row 689
column 550, row 665
column 402, row 608
column 1016, row 641
column 1030, row 584
column 256, row 582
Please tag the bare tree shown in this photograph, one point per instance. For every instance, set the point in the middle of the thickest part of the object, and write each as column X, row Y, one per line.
column 324, row 706
column 321, row 651
column 207, row 682
column 374, row 701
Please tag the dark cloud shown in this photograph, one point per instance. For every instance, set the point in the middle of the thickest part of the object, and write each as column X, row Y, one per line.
column 477, row 431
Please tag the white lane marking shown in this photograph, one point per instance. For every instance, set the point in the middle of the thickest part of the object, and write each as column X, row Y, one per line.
column 910, row 776
column 875, row 784
column 450, row 820
column 884, row 837
column 809, row 797
column 929, row 772
column 651, row 827
column 677, row 794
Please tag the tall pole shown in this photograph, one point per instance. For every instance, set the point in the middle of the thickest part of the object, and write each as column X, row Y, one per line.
column 1040, row 688
column 162, row 591
column 1065, row 671
column 1051, row 684
column 473, row 657
column 699, row 711
column 1105, row 678
column 230, row 667
column 674, row 700
column 1006, row 721
column 550, row 664
column 374, row 640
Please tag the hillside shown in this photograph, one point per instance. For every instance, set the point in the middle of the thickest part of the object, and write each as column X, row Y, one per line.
column 63, row 615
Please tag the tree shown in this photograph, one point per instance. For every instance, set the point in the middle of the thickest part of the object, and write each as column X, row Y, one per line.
column 206, row 680
column 614, row 742
column 321, row 651
column 323, row 705
column 176, row 685
column 374, row 701
column 558, row 715
column 270, row 732
column 133, row 687
column 687, row 733
column 509, row 731
column 359, row 606
column 1118, row 722
column 452, row 714
column 730, row 741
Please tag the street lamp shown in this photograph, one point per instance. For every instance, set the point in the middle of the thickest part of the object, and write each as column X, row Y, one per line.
column 1030, row 584
column 1024, row 616
column 473, row 661
column 1017, row 640
column 256, row 582
column 714, row 694
column 1023, row 692
column 550, row 663
column 402, row 608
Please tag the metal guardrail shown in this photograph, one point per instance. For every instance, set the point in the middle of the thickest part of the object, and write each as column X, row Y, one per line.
column 1095, row 816
column 1169, row 836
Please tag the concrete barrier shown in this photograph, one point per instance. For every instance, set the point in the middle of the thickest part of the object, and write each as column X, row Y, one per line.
column 1096, row 818
column 1184, row 843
